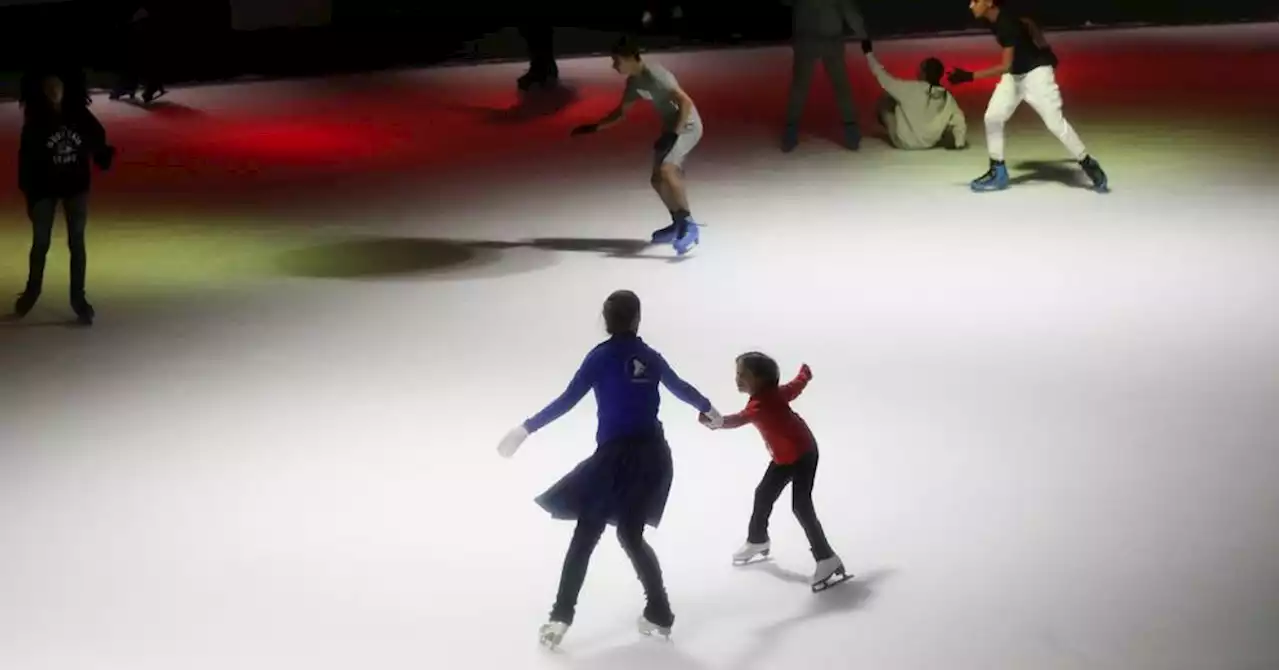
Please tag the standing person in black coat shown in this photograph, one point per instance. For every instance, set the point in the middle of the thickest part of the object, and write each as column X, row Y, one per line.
column 537, row 29
column 142, row 49
column 60, row 136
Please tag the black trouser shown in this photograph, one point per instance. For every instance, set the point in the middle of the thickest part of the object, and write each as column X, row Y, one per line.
column 143, row 59
column 41, row 211
column 800, row 475
column 645, row 561
column 539, row 39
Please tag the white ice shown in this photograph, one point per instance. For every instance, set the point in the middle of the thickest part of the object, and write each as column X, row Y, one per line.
column 1048, row 423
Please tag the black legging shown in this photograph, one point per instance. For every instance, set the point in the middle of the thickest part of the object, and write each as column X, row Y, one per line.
column 800, row 475
column 631, row 536
column 41, row 212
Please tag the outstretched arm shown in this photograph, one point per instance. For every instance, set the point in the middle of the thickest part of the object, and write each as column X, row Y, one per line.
column 578, row 387
column 617, row 115
column 740, row 419
column 792, row 389
column 1006, row 62
column 629, row 97
column 683, row 389
column 891, row 84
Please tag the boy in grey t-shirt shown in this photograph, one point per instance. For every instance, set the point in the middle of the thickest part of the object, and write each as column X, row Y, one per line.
column 681, row 131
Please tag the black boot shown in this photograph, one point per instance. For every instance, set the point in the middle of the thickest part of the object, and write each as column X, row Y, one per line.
column 26, row 301
column 84, row 311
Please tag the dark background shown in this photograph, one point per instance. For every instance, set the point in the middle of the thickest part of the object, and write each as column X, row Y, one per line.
column 200, row 44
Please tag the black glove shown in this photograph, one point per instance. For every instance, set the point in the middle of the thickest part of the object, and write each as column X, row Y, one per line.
column 104, row 157
column 666, row 141
column 959, row 76
column 866, row 46
column 586, row 129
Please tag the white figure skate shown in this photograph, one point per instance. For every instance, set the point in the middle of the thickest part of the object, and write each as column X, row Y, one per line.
column 751, row 553
column 552, row 633
column 829, row 572
column 650, row 628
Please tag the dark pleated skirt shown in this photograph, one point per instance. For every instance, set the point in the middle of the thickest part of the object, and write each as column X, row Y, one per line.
column 628, row 478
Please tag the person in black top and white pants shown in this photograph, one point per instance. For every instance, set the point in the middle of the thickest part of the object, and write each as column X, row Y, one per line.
column 60, row 136
column 1026, row 73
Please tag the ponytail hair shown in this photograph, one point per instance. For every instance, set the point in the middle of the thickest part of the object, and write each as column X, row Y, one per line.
column 933, row 70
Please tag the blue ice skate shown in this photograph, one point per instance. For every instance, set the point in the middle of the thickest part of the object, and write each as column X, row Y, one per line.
column 996, row 179
column 685, row 243
column 667, row 235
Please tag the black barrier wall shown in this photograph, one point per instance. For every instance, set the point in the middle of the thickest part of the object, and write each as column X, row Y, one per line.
column 366, row 34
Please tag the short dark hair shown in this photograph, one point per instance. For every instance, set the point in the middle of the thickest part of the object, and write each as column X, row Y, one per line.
column 621, row 310
column 763, row 368
column 932, row 69
column 626, row 47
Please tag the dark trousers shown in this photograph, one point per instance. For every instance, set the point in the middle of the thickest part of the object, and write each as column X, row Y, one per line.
column 800, row 475
column 539, row 39
column 631, row 535
column 41, row 211
column 142, row 60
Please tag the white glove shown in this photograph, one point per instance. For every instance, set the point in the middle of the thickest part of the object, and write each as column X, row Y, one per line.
column 714, row 420
column 511, row 443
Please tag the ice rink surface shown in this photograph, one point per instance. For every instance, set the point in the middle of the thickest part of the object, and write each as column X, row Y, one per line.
column 1048, row 418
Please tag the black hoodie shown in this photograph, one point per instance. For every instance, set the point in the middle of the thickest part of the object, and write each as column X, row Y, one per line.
column 56, row 150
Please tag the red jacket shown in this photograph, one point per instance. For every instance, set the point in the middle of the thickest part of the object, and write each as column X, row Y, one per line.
column 785, row 434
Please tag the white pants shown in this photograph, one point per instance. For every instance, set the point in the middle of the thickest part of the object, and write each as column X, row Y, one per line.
column 1039, row 89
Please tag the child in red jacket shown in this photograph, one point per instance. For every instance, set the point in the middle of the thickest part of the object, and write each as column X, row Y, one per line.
column 795, row 461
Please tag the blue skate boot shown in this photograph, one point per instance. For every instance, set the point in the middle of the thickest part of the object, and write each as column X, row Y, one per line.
column 1096, row 175
column 669, row 234
column 666, row 235
column 688, row 240
column 996, row 179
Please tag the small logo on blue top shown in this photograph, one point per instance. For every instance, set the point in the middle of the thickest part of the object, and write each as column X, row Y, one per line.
column 638, row 370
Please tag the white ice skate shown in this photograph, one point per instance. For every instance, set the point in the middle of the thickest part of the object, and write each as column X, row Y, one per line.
column 829, row 572
column 750, row 552
column 552, row 633
column 650, row 628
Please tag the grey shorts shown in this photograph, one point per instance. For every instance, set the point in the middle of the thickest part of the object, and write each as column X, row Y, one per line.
column 676, row 153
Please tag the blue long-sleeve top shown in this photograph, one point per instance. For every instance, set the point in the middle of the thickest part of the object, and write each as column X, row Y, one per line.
column 624, row 372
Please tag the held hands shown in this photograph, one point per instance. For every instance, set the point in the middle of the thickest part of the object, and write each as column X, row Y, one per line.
column 585, row 129
column 866, row 46
column 711, row 419
column 959, row 76
column 511, row 443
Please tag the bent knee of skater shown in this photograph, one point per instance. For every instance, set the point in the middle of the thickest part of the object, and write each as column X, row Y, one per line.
column 668, row 172
column 630, row 538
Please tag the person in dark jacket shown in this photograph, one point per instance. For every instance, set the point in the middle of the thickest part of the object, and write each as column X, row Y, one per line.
column 142, row 51
column 60, row 137
column 537, row 29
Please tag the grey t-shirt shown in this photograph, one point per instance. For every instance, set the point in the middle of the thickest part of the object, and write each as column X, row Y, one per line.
column 657, row 85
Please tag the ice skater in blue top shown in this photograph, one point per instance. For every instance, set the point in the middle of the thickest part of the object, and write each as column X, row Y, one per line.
column 626, row 481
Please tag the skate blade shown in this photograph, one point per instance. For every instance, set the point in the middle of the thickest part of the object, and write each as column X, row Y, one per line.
column 839, row 578
column 758, row 558
column 663, row 633
column 551, row 642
